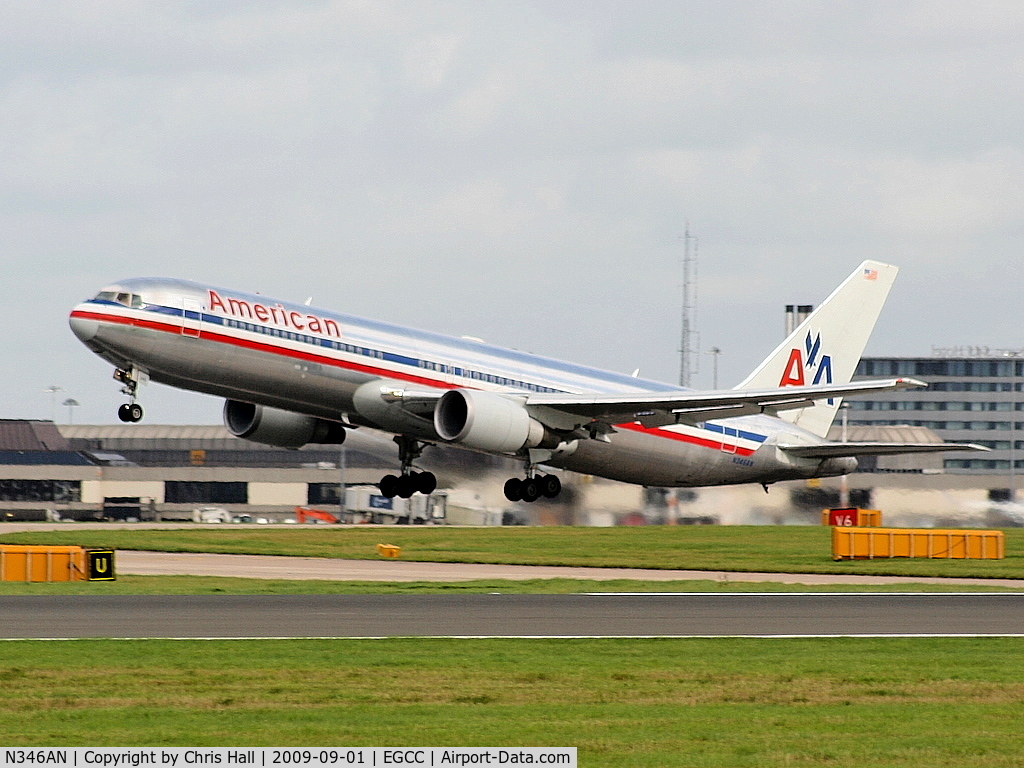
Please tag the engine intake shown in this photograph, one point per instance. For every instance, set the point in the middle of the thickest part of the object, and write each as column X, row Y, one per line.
column 284, row 429
column 488, row 422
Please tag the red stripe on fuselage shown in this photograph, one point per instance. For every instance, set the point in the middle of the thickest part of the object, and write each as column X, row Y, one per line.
column 221, row 338
column 259, row 346
column 682, row 437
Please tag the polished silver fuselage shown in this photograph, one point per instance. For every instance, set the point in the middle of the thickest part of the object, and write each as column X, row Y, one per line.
column 311, row 361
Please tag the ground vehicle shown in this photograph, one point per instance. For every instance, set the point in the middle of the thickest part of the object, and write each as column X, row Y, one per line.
column 365, row 503
column 211, row 515
column 310, row 515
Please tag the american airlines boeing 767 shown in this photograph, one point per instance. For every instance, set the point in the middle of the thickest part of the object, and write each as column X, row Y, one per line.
column 291, row 375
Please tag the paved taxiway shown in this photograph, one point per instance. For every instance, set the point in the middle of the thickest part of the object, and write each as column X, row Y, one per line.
column 266, row 567
column 497, row 615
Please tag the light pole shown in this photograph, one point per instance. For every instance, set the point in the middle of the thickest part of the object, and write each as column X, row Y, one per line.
column 343, row 485
column 71, row 403
column 844, row 483
column 1013, row 431
column 53, row 389
column 714, row 352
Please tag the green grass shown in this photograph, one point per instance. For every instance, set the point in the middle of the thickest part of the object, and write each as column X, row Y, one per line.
column 734, row 702
column 622, row 702
column 797, row 549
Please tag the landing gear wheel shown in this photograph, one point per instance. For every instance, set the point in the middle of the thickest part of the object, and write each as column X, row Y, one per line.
column 531, row 489
column 406, row 486
column 425, row 482
column 130, row 412
column 550, row 486
column 388, row 486
column 514, row 489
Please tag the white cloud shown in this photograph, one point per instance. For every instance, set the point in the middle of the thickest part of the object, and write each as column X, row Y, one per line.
column 520, row 171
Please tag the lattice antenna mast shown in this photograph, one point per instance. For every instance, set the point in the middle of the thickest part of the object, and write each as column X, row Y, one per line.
column 689, row 340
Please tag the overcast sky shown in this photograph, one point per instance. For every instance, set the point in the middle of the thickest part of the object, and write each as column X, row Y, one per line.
column 518, row 171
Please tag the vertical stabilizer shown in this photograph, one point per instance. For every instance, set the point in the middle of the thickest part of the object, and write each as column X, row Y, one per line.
column 826, row 347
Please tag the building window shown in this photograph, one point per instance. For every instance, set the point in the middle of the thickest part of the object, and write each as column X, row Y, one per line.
column 62, row 491
column 323, row 493
column 988, row 464
column 188, row 492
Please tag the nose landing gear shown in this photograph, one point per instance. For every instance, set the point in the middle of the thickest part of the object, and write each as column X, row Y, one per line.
column 130, row 377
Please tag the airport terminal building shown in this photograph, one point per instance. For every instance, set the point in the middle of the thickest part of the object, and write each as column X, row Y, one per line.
column 971, row 398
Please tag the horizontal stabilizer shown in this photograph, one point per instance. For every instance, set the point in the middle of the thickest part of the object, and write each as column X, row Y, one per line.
column 840, row 450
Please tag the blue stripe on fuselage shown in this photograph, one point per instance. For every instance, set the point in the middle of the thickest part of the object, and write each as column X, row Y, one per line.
column 471, row 349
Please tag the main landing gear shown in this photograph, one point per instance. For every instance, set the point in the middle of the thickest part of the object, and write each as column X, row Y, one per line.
column 130, row 411
column 532, row 488
column 409, row 482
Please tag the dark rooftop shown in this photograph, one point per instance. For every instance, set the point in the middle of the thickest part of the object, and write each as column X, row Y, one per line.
column 24, row 435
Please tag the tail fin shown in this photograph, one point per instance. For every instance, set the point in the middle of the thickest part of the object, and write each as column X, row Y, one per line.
column 826, row 347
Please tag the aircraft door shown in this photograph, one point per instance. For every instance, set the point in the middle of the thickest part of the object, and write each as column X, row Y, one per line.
column 727, row 437
column 730, row 435
column 191, row 317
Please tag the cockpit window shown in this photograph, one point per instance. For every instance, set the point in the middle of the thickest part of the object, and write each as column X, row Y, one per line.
column 132, row 300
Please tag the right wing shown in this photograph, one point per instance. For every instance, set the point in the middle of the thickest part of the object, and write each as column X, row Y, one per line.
column 658, row 409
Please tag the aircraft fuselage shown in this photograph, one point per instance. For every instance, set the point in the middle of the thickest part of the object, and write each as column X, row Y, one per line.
column 303, row 360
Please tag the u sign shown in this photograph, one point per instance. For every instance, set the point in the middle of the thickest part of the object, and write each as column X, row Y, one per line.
column 101, row 564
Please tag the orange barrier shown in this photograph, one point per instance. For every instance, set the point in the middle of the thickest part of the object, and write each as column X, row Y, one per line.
column 388, row 550
column 871, row 543
column 42, row 563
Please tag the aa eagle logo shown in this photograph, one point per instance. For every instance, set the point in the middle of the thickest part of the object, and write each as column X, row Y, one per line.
column 808, row 365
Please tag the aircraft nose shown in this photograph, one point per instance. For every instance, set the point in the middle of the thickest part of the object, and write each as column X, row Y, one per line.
column 83, row 328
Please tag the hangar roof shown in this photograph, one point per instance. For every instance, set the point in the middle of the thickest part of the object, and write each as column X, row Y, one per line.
column 146, row 431
column 25, row 435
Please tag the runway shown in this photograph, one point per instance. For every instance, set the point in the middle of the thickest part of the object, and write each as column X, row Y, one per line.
column 714, row 614
column 497, row 615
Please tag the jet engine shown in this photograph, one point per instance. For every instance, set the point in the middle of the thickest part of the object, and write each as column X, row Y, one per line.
column 273, row 426
column 489, row 422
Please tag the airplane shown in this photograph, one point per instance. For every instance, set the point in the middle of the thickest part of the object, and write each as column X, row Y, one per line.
column 292, row 374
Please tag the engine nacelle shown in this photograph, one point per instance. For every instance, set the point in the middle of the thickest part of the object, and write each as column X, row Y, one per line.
column 272, row 426
column 488, row 422
column 384, row 405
